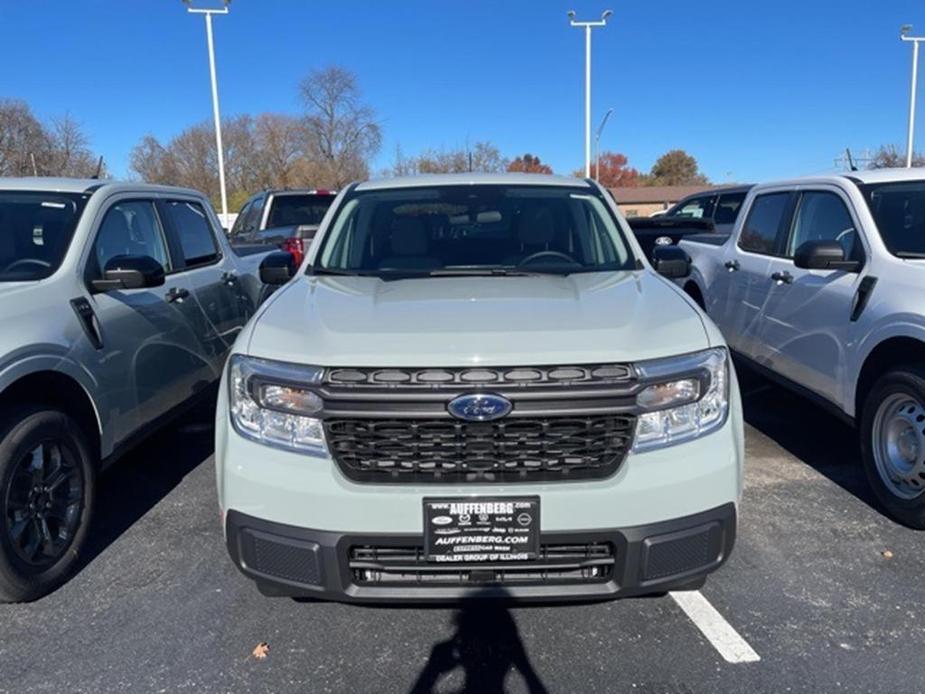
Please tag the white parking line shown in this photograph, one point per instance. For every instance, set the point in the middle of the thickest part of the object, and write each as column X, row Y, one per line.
column 718, row 631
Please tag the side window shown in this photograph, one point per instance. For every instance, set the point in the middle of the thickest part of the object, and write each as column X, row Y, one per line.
column 252, row 223
column 238, row 227
column 197, row 240
column 727, row 208
column 763, row 225
column 822, row 216
column 128, row 228
column 698, row 208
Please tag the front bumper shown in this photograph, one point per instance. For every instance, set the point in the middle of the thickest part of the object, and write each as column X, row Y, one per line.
column 354, row 567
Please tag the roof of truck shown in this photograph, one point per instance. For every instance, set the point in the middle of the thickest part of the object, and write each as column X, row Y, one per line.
column 52, row 184
column 462, row 179
column 868, row 176
column 883, row 175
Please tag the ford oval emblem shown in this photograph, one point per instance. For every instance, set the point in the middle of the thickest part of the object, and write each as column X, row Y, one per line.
column 479, row 407
column 663, row 241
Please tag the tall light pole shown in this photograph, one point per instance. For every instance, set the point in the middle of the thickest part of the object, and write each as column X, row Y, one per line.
column 588, row 26
column 904, row 35
column 597, row 145
column 208, row 12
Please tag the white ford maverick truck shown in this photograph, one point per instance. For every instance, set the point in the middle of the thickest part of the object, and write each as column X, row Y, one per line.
column 822, row 287
column 477, row 385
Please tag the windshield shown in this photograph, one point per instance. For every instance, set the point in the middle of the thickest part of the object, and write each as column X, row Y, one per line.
column 899, row 210
column 35, row 231
column 473, row 229
column 292, row 210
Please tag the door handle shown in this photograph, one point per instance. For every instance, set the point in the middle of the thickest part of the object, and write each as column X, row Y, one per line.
column 176, row 294
column 88, row 321
column 229, row 278
column 861, row 299
column 782, row 277
column 732, row 265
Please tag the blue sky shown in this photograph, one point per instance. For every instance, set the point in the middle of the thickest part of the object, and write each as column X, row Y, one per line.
column 754, row 90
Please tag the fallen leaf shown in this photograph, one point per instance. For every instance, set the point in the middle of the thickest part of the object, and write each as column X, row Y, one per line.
column 261, row 650
column 887, row 554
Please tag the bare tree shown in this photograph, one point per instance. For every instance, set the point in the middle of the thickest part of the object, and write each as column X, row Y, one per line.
column 889, row 157
column 23, row 140
column 151, row 161
column 266, row 151
column 402, row 165
column 341, row 131
column 483, row 157
column 281, row 152
column 28, row 146
column 71, row 155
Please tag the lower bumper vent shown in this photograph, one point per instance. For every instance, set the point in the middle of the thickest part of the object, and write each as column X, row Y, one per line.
column 557, row 565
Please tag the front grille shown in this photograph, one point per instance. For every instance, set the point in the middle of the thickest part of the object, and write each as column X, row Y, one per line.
column 524, row 376
column 514, row 449
column 556, row 564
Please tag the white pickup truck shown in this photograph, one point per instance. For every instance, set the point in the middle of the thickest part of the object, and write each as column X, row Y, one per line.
column 821, row 286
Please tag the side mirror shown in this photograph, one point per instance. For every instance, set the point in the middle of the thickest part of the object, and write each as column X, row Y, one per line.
column 277, row 268
column 823, row 255
column 130, row 272
column 671, row 261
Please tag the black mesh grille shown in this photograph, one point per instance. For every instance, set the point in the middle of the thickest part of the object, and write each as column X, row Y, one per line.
column 515, row 449
column 668, row 555
column 557, row 564
column 299, row 562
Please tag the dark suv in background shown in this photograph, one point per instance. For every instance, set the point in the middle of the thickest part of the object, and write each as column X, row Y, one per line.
column 720, row 205
column 285, row 218
column 709, row 212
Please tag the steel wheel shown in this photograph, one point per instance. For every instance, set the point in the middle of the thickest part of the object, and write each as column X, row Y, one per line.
column 44, row 500
column 899, row 445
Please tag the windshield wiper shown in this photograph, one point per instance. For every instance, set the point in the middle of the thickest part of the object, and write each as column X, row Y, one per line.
column 910, row 255
column 481, row 272
column 339, row 273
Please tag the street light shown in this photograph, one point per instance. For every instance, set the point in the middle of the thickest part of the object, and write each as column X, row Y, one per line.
column 904, row 34
column 587, row 27
column 597, row 145
column 208, row 12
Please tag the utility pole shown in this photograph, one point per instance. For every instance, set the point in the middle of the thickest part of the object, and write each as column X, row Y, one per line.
column 904, row 35
column 215, row 111
column 588, row 26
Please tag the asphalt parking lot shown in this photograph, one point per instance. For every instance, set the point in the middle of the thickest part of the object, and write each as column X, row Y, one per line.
column 822, row 587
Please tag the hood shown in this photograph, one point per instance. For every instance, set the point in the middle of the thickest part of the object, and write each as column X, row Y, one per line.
column 498, row 321
column 12, row 287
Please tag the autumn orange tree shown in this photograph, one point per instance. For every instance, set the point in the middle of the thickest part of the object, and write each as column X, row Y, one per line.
column 529, row 164
column 615, row 171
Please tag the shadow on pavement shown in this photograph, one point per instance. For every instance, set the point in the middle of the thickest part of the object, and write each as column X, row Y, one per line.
column 486, row 647
column 807, row 431
column 148, row 472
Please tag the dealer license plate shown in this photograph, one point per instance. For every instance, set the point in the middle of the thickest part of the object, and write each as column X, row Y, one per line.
column 482, row 529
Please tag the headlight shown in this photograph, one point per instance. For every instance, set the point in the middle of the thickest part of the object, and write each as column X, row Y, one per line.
column 689, row 397
column 272, row 403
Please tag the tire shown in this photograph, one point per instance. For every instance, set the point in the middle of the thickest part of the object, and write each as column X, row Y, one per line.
column 47, row 484
column 893, row 443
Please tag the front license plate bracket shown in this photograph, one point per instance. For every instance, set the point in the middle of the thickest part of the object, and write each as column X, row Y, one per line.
column 481, row 529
